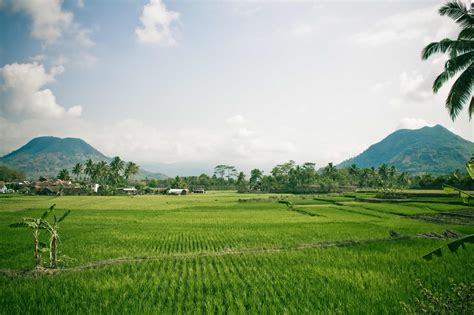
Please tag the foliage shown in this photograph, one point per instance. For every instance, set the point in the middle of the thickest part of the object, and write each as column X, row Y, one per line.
column 461, row 62
column 453, row 247
column 8, row 174
column 108, row 175
column 64, row 174
column 53, row 229
column 290, row 177
column 36, row 225
column 457, row 299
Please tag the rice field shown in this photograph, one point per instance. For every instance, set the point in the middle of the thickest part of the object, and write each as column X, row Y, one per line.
column 224, row 252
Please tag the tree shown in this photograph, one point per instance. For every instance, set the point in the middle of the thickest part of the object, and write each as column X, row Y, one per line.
column 100, row 172
column 77, row 170
column 116, row 166
column 131, row 169
column 255, row 178
column 219, row 170
column 64, row 174
column 242, row 185
column 330, row 171
column 308, row 173
column 241, row 178
column 36, row 225
column 461, row 54
column 8, row 174
column 178, row 182
column 89, row 168
column 227, row 171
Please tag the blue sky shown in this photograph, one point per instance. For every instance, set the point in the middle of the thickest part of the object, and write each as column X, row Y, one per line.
column 246, row 83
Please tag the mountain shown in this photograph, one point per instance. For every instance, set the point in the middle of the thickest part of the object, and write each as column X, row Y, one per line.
column 426, row 150
column 45, row 156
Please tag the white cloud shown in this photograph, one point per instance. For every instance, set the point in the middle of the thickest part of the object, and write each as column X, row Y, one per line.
column 80, row 3
column 236, row 120
column 157, row 23
column 49, row 20
column 24, row 94
column 413, row 85
column 422, row 24
column 414, row 89
column 412, row 123
column 83, row 36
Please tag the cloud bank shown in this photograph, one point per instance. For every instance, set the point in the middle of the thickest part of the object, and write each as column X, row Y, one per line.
column 23, row 91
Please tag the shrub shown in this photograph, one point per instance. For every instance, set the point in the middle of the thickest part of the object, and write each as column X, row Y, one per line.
column 458, row 299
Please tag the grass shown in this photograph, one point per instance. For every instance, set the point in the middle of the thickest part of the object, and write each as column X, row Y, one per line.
column 213, row 254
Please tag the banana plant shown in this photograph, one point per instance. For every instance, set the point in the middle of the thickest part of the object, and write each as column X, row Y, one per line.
column 53, row 230
column 464, row 195
column 453, row 247
column 466, row 198
column 36, row 225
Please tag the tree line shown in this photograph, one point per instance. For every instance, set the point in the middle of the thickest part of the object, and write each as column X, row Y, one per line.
column 291, row 177
column 113, row 174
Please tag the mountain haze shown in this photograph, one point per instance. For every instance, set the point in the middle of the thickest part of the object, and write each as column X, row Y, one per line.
column 428, row 149
column 45, row 156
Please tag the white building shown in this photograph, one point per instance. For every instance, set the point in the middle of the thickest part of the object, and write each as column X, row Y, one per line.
column 177, row 191
column 3, row 188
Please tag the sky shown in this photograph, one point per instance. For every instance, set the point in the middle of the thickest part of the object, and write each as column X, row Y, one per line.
column 250, row 84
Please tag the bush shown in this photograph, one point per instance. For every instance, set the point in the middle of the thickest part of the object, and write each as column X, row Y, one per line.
column 456, row 299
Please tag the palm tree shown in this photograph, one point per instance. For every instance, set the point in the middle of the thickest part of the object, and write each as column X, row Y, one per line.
column 36, row 225
column 77, row 169
column 330, row 171
column 64, row 174
column 354, row 172
column 461, row 54
column 101, row 170
column 131, row 169
column 89, row 168
column 116, row 166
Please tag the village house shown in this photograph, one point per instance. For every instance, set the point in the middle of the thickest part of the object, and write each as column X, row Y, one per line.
column 128, row 190
column 44, row 186
column 177, row 191
column 199, row 190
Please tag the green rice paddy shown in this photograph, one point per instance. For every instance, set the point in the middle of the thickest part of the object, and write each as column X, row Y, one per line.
column 212, row 254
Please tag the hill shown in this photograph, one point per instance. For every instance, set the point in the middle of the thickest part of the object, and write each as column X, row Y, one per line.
column 429, row 149
column 45, row 156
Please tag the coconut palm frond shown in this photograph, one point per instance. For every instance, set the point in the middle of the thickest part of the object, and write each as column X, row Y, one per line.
column 437, row 47
column 460, row 92
column 458, row 11
column 467, row 34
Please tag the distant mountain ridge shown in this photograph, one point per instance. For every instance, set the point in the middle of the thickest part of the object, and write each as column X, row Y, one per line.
column 426, row 150
column 45, row 156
